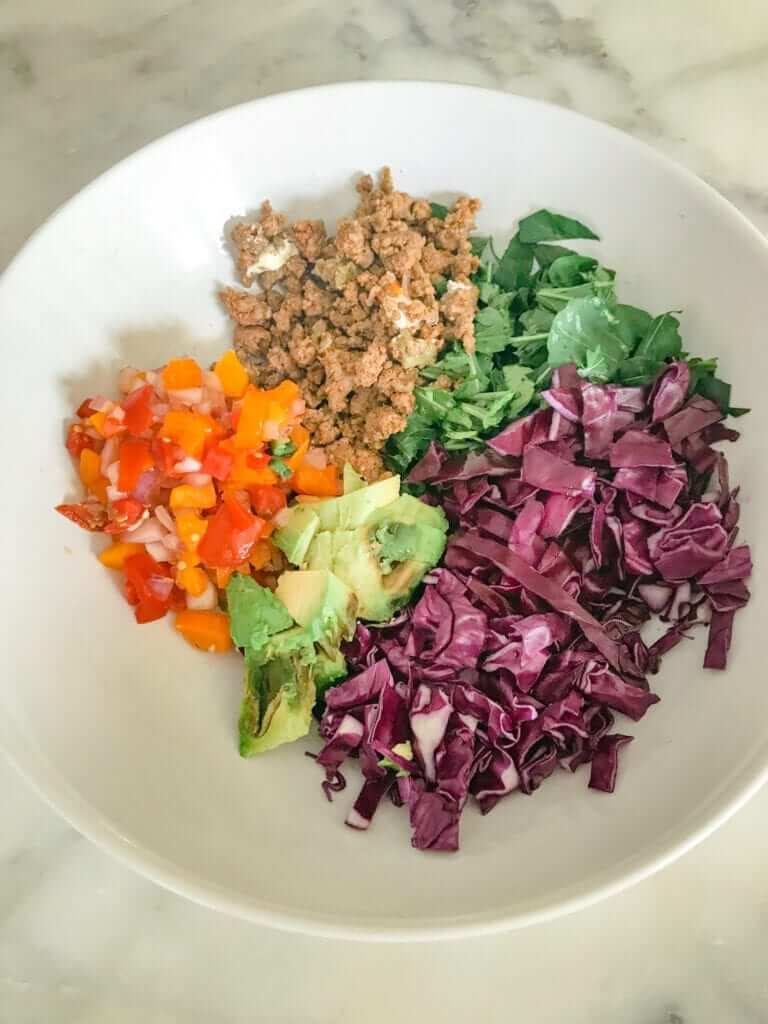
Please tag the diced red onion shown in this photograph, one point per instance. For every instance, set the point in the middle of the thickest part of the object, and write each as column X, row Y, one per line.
column 101, row 404
column 212, row 382
column 204, row 602
column 270, row 430
column 160, row 586
column 145, row 485
column 147, row 532
column 158, row 551
column 298, row 407
column 127, row 378
column 197, row 479
column 114, row 493
column 165, row 518
column 186, row 396
column 188, row 465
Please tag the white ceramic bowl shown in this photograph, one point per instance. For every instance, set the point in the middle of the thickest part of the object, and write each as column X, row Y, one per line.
column 130, row 734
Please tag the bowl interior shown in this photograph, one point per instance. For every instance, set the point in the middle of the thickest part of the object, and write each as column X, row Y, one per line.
column 128, row 731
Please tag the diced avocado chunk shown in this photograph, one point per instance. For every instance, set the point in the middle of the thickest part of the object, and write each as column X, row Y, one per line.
column 255, row 613
column 352, row 481
column 328, row 669
column 297, row 533
column 277, row 705
column 351, row 510
column 355, row 562
column 321, row 603
column 407, row 542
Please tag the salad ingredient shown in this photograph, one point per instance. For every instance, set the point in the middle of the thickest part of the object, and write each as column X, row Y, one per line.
column 283, row 648
column 379, row 542
column 541, row 307
column 178, row 475
column 206, row 630
column 354, row 318
column 523, row 647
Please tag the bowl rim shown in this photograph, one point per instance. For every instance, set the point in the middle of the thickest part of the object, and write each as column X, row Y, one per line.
column 65, row 801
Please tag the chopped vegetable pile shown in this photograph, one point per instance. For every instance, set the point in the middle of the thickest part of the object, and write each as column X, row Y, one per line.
column 577, row 524
column 186, row 473
column 541, row 305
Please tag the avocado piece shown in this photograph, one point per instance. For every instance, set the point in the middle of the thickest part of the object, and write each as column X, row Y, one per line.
column 351, row 510
column 408, row 542
column 411, row 511
column 327, row 670
column 295, row 536
column 277, row 704
column 320, row 554
column 351, row 480
column 356, row 563
column 255, row 614
column 321, row 603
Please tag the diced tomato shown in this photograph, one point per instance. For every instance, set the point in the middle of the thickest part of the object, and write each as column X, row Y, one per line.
column 138, row 410
column 150, row 611
column 135, row 457
column 89, row 515
column 267, row 501
column 85, row 409
column 217, row 463
column 231, row 533
column 151, row 581
column 78, row 439
column 167, row 455
column 125, row 512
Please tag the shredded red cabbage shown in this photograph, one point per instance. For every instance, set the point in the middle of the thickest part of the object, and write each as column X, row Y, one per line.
column 577, row 525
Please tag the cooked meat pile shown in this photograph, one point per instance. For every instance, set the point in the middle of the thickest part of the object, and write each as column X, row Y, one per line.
column 353, row 318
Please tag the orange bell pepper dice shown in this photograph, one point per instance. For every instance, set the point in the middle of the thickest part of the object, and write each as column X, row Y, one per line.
column 190, row 430
column 208, row 631
column 232, row 374
column 180, row 374
column 320, row 483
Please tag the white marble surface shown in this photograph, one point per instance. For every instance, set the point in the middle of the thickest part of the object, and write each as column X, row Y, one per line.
column 83, row 84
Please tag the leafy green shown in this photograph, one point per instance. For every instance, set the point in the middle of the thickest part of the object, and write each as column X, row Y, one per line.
column 514, row 268
column 587, row 332
column 662, row 340
column 544, row 226
column 438, row 210
column 540, row 305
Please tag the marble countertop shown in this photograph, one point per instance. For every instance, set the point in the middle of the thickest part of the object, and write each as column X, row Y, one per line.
column 82, row 85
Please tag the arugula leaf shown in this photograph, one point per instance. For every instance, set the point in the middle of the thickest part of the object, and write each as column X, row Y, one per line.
column 567, row 271
column 546, row 255
column 438, row 210
column 587, row 332
column 515, row 266
column 493, row 331
column 663, row 339
column 634, row 324
column 544, row 226
column 639, row 370
column 407, row 447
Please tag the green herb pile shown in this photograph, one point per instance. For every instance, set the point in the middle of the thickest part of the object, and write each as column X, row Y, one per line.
column 540, row 305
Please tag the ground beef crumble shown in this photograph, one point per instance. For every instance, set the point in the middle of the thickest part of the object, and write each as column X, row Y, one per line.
column 353, row 318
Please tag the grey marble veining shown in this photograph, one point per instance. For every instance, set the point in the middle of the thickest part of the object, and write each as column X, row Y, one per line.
column 86, row 83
